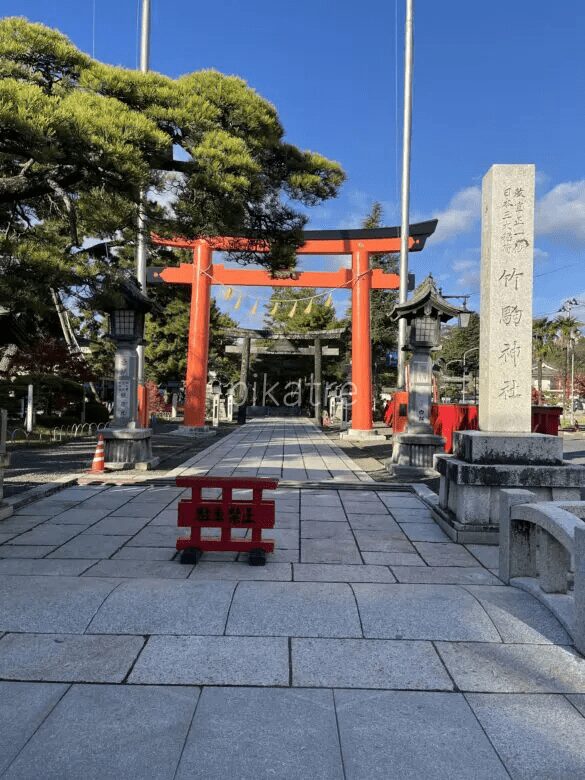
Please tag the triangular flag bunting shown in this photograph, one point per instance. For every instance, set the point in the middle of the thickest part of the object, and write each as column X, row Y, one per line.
column 274, row 309
column 309, row 307
column 254, row 308
column 228, row 293
column 238, row 302
column 293, row 311
column 329, row 301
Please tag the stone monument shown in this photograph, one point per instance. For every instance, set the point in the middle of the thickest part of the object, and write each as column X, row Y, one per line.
column 413, row 451
column 503, row 453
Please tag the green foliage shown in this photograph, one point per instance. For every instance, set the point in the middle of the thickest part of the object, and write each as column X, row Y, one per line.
column 306, row 315
column 455, row 343
column 167, row 334
column 79, row 139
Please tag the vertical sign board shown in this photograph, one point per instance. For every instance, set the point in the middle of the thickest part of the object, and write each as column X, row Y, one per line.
column 507, row 252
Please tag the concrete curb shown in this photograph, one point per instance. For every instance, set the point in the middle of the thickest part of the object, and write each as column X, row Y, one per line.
column 41, row 491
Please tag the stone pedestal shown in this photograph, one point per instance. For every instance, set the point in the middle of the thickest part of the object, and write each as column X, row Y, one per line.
column 129, row 448
column 483, row 463
column 353, row 434
column 413, row 455
column 194, row 430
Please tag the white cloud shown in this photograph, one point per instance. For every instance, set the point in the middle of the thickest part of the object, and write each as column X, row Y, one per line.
column 540, row 256
column 560, row 214
column 460, row 215
column 467, row 271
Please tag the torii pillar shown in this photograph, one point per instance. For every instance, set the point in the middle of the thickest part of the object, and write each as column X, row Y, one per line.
column 198, row 348
column 361, row 279
column 361, row 344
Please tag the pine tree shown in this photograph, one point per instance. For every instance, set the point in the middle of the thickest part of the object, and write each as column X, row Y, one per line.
column 79, row 139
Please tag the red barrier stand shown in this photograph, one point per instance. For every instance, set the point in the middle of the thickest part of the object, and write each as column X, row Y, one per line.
column 225, row 513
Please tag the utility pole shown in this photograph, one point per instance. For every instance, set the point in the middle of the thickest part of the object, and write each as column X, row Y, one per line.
column 141, row 225
column 405, row 196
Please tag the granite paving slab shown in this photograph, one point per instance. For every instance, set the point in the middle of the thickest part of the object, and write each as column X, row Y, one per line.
column 422, row 612
column 69, row 567
column 315, row 529
column 393, row 559
column 19, row 524
column 497, row 668
column 375, row 522
column 327, row 513
column 578, row 701
column 424, row 532
column 118, row 526
column 67, row 657
column 255, row 733
column 48, row 534
column 383, row 541
column 79, row 515
column 288, row 520
column 329, row 551
column 213, row 660
column 158, row 536
column 284, row 538
column 445, row 575
column 368, row 663
column 108, row 732
column 141, row 569
column 447, row 554
column 294, row 609
column 339, row 572
column 46, row 508
column 404, row 501
column 364, row 507
column 240, row 570
column 538, row 737
column 90, row 546
column 23, row 707
column 413, row 735
column 128, row 553
column 50, row 604
column 24, row 551
column 486, row 554
column 164, row 607
column 519, row 617
column 320, row 498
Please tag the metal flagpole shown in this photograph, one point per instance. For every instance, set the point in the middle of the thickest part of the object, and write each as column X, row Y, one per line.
column 141, row 224
column 405, row 196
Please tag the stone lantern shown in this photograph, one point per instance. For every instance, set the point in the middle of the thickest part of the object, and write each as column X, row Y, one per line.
column 126, row 445
column 413, row 450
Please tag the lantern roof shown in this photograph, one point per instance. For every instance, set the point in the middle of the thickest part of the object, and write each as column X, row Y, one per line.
column 124, row 294
column 425, row 300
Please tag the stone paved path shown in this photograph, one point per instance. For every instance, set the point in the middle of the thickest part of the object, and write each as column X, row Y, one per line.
column 287, row 448
column 369, row 646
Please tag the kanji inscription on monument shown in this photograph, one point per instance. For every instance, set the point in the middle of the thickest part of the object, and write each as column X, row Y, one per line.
column 507, row 254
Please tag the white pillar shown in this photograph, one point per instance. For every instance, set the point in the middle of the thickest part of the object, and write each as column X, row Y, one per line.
column 30, row 410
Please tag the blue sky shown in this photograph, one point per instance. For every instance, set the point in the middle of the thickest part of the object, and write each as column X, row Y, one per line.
column 495, row 82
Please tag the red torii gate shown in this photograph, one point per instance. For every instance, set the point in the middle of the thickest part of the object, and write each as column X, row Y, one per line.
column 202, row 273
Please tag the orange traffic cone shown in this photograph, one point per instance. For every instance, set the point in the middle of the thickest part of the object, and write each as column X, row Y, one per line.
column 98, row 463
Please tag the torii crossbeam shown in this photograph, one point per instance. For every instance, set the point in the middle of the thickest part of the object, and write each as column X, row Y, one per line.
column 360, row 279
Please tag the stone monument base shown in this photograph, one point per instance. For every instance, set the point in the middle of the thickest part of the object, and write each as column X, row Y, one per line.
column 129, row 448
column 483, row 463
column 413, row 455
column 194, row 430
column 354, row 434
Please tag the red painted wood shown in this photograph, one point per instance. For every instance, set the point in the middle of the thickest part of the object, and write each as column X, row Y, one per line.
column 225, row 513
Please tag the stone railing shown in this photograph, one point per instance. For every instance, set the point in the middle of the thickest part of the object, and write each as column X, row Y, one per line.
column 542, row 550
